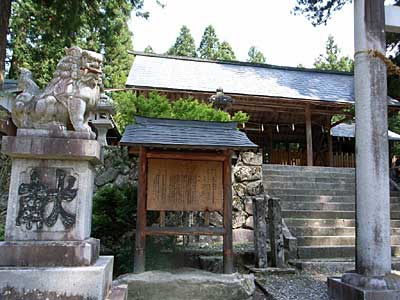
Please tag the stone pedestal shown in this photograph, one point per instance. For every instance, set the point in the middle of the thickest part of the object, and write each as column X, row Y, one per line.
column 61, row 283
column 48, row 252
column 339, row 290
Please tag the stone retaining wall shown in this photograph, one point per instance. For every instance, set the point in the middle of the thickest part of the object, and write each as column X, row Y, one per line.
column 118, row 168
column 247, row 182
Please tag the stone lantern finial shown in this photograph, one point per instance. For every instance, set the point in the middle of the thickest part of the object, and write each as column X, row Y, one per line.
column 220, row 100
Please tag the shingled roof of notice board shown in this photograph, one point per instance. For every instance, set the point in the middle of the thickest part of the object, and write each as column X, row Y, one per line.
column 151, row 71
column 167, row 133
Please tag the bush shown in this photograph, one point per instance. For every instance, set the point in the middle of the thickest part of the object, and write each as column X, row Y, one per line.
column 158, row 106
column 114, row 223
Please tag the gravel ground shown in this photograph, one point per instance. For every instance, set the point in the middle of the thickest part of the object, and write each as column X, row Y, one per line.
column 295, row 287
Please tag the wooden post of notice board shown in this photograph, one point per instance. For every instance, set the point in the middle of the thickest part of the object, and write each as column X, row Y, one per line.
column 140, row 239
column 228, row 246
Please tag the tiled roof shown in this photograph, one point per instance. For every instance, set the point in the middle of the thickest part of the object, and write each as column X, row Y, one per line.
column 347, row 130
column 189, row 74
column 167, row 133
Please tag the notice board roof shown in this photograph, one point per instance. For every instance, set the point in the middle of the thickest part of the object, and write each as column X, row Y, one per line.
column 168, row 133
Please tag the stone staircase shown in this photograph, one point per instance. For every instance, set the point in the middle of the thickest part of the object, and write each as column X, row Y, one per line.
column 318, row 206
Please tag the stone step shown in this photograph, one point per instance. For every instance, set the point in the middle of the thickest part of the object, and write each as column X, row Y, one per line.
column 350, row 187
column 308, row 252
column 298, row 231
column 309, row 169
column 348, row 240
column 290, row 178
column 323, row 199
column 331, row 266
column 302, row 205
column 318, row 214
column 324, row 192
column 300, row 222
column 321, row 214
column 312, row 175
column 317, row 198
column 329, row 206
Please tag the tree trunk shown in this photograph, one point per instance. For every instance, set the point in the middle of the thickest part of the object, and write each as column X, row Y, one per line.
column 5, row 12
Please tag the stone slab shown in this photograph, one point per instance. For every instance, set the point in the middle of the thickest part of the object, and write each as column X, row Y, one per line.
column 338, row 290
column 49, row 200
column 186, row 284
column 66, row 283
column 35, row 147
column 49, row 254
column 119, row 292
column 53, row 133
column 271, row 271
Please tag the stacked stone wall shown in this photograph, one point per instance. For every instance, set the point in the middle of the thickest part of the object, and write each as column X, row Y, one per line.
column 247, row 182
column 118, row 168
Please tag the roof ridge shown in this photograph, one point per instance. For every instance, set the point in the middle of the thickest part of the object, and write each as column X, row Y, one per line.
column 241, row 63
column 140, row 120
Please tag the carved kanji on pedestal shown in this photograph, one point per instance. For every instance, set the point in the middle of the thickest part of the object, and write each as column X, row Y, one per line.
column 36, row 196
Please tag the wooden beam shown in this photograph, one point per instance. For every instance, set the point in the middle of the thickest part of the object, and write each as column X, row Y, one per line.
column 140, row 239
column 228, row 243
column 185, row 156
column 309, row 140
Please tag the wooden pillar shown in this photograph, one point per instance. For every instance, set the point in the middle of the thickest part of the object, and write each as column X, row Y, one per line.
column 330, row 149
column 270, row 145
column 228, row 243
column 140, row 240
column 310, row 155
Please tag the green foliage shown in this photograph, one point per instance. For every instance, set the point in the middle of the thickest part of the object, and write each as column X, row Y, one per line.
column 332, row 60
column 255, row 55
column 184, row 44
column 114, row 221
column 158, row 106
column 2, row 225
column 318, row 11
column 209, row 44
column 5, row 172
column 225, row 51
column 39, row 30
column 148, row 49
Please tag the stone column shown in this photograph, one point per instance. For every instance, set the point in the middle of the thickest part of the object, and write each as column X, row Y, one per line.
column 275, row 233
column 372, row 172
column 372, row 279
column 260, row 231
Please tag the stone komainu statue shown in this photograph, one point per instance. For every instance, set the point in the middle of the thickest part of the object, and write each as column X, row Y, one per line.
column 68, row 100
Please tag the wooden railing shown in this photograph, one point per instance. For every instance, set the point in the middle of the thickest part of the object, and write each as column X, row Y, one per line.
column 284, row 157
column 344, row 160
column 299, row 158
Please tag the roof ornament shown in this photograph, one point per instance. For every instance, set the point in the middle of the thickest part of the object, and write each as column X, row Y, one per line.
column 220, row 100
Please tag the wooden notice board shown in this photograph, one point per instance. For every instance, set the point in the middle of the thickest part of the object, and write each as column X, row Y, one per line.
column 184, row 185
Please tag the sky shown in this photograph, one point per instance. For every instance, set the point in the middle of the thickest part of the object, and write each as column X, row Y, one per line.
column 284, row 39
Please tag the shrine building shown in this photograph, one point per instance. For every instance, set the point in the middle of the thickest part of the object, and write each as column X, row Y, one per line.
column 290, row 109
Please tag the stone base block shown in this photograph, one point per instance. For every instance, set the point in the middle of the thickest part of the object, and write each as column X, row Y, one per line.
column 119, row 292
column 49, row 253
column 57, row 283
column 338, row 290
column 186, row 284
